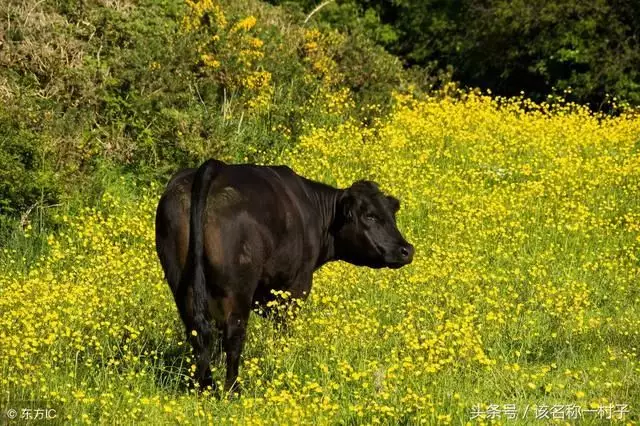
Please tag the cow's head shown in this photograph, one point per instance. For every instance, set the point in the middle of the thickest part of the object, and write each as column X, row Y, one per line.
column 366, row 233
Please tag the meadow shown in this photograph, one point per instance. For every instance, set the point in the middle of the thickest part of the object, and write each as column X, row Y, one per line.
column 523, row 293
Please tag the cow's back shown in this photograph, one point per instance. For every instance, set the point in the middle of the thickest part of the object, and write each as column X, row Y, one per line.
column 272, row 196
column 260, row 215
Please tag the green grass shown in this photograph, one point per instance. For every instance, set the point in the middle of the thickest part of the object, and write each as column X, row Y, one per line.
column 523, row 290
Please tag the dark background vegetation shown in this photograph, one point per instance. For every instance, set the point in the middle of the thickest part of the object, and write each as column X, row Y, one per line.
column 537, row 46
column 93, row 89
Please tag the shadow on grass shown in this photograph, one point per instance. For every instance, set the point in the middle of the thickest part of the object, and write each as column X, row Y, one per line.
column 172, row 369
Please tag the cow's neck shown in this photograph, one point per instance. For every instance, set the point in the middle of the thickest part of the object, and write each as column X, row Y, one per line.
column 324, row 199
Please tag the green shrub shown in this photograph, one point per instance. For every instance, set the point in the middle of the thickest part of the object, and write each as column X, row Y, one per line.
column 147, row 87
column 586, row 51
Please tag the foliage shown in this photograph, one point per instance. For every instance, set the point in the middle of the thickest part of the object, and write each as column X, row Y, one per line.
column 526, row 223
column 152, row 86
column 78, row 92
column 590, row 49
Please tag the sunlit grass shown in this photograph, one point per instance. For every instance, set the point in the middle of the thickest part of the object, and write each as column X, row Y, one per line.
column 524, row 289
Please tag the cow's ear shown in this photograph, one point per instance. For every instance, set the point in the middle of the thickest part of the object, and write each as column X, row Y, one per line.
column 346, row 206
column 394, row 203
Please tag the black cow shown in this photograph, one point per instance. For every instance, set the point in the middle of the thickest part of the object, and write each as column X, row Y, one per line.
column 228, row 234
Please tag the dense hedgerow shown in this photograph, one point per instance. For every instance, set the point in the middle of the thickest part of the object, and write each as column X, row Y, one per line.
column 147, row 86
column 588, row 48
column 526, row 223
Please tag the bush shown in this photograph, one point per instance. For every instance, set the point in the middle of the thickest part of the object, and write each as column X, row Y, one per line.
column 151, row 86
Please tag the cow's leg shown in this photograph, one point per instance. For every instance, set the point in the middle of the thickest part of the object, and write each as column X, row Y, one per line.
column 237, row 311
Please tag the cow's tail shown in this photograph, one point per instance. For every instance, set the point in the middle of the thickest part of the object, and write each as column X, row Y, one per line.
column 194, row 271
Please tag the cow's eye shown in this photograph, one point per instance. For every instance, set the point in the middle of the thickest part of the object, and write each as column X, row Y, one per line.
column 371, row 218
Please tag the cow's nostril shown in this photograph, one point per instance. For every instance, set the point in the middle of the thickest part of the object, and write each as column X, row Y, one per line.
column 406, row 252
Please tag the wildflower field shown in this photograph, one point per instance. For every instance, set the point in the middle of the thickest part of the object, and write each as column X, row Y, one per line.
column 524, row 289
